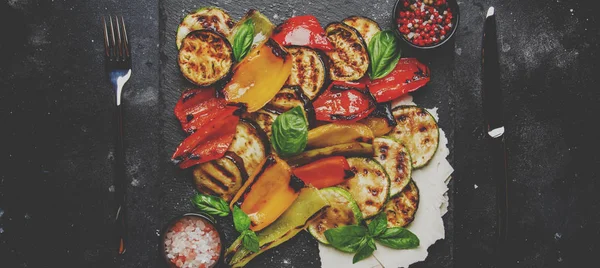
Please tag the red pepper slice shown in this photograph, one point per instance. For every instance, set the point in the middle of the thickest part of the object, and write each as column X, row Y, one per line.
column 302, row 31
column 214, row 147
column 325, row 173
column 343, row 101
column 408, row 75
column 206, row 136
column 190, row 101
column 200, row 120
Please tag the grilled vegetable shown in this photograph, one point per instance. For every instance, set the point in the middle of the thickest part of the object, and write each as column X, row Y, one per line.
column 365, row 26
column 205, row 57
column 209, row 142
column 268, row 192
column 343, row 210
column 349, row 58
column 395, row 159
column 338, row 133
column 198, row 107
column 293, row 220
column 302, row 31
column 251, row 144
column 370, row 187
column 221, row 177
column 286, row 99
column 264, row 118
column 378, row 125
column 408, row 75
column 343, row 101
column 209, row 18
column 401, row 209
column 346, row 149
column 326, row 172
column 308, row 71
column 417, row 130
column 258, row 78
column 261, row 31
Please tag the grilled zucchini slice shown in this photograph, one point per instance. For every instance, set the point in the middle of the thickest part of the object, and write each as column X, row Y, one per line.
column 370, row 186
column 417, row 130
column 349, row 59
column 209, row 18
column 264, row 118
column 365, row 26
column 401, row 209
column 222, row 177
column 205, row 57
column 308, row 71
column 342, row 211
column 346, row 149
column 250, row 144
column 395, row 159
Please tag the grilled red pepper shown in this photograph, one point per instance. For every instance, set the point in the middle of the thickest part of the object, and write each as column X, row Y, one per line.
column 325, row 173
column 209, row 142
column 408, row 75
column 190, row 101
column 302, row 31
column 197, row 107
column 343, row 101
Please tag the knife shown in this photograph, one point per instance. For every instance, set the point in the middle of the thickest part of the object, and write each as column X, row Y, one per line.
column 493, row 114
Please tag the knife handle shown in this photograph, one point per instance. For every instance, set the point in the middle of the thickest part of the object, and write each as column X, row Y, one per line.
column 492, row 93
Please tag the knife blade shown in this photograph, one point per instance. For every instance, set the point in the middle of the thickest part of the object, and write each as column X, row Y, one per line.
column 493, row 114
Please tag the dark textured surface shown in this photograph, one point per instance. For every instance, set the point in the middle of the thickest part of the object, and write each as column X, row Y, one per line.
column 56, row 151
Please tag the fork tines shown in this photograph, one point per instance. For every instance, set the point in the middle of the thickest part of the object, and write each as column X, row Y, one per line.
column 116, row 43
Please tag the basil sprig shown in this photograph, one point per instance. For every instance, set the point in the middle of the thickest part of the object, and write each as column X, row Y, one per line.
column 361, row 240
column 211, row 205
column 241, row 222
column 290, row 132
column 242, row 42
column 385, row 52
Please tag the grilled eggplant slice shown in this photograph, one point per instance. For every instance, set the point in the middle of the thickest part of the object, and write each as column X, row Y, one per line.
column 250, row 144
column 349, row 60
column 401, row 209
column 209, row 18
column 417, row 130
column 287, row 98
column 346, row 149
column 222, row 177
column 205, row 57
column 365, row 26
column 264, row 118
column 308, row 204
column 342, row 211
column 396, row 161
column 370, row 186
column 308, row 71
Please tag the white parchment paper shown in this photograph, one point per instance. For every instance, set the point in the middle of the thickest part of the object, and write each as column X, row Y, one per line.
column 428, row 225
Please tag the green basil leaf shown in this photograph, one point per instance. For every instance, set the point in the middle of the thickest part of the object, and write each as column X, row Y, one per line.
column 365, row 250
column 242, row 42
column 290, row 132
column 378, row 225
column 346, row 238
column 240, row 219
column 384, row 52
column 211, row 205
column 250, row 241
column 398, row 238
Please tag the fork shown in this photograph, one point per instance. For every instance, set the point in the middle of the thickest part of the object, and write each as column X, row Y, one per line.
column 117, row 58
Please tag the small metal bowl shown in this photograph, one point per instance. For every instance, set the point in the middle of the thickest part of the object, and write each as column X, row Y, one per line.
column 207, row 220
column 455, row 20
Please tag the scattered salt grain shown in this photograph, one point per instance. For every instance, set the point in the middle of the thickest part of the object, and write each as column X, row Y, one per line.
column 111, row 189
column 27, row 216
column 475, row 186
column 1, row 230
column 1, row 212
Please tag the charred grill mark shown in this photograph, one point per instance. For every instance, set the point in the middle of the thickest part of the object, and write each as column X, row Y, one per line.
column 373, row 191
column 188, row 95
column 189, row 117
column 223, row 170
column 239, row 163
column 348, row 174
column 277, row 50
column 213, row 179
column 369, row 202
column 296, row 183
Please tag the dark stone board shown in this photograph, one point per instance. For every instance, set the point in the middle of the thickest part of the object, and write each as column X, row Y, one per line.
column 56, row 207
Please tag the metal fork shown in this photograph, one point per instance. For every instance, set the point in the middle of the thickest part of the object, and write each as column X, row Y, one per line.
column 117, row 58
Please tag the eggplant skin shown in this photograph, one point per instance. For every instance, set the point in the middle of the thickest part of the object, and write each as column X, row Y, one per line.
column 211, row 18
column 205, row 57
column 349, row 60
column 308, row 71
column 365, row 26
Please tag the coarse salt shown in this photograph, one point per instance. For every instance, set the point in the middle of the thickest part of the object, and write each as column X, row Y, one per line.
column 191, row 243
